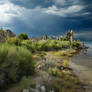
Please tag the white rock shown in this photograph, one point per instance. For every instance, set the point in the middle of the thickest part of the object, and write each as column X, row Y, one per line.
column 43, row 89
column 52, row 91
column 26, row 90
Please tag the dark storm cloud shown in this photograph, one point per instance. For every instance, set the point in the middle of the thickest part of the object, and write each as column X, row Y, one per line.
column 61, row 5
column 88, row 5
column 33, row 3
column 47, row 3
column 52, row 17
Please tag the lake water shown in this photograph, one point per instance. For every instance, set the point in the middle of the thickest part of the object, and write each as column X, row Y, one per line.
column 85, row 58
column 82, row 66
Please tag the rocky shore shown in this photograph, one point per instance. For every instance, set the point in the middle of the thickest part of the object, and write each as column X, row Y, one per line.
column 52, row 75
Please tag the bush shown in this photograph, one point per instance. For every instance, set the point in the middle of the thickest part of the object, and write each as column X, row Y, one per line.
column 45, row 45
column 13, row 40
column 16, row 61
column 23, row 36
column 42, row 45
column 75, row 44
column 65, row 63
column 30, row 45
column 65, row 44
column 34, row 46
column 55, row 72
column 54, row 44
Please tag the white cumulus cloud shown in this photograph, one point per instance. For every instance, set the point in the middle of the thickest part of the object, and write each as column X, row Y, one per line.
column 8, row 11
column 71, row 10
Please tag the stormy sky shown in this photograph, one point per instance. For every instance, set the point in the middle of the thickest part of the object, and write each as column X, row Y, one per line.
column 51, row 17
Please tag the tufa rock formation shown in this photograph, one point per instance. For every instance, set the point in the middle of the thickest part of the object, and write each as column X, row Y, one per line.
column 5, row 33
column 45, row 37
column 50, row 37
column 69, row 35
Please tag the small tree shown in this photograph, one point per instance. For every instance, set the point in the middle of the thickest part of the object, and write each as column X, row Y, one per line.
column 23, row 36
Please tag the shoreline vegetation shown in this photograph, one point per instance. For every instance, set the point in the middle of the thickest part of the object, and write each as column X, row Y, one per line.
column 38, row 64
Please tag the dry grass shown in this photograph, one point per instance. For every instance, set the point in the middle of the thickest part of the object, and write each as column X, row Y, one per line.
column 67, row 53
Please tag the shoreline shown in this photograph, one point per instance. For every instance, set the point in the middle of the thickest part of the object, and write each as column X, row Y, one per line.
column 81, row 65
column 52, row 74
column 66, row 55
column 83, row 75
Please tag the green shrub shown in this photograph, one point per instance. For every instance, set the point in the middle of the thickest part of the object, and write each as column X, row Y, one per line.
column 13, row 40
column 46, row 45
column 30, row 45
column 23, row 36
column 65, row 44
column 55, row 72
column 54, row 44
column 75, row 44
column 65, row 63
column 35, row 46
column 42, row 45
column 17, row 61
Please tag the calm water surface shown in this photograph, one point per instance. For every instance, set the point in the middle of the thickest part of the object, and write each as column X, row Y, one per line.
column 85, row 58
column 82, row 66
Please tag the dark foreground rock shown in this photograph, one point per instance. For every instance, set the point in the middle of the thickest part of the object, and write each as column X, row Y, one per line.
column 3, row 79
